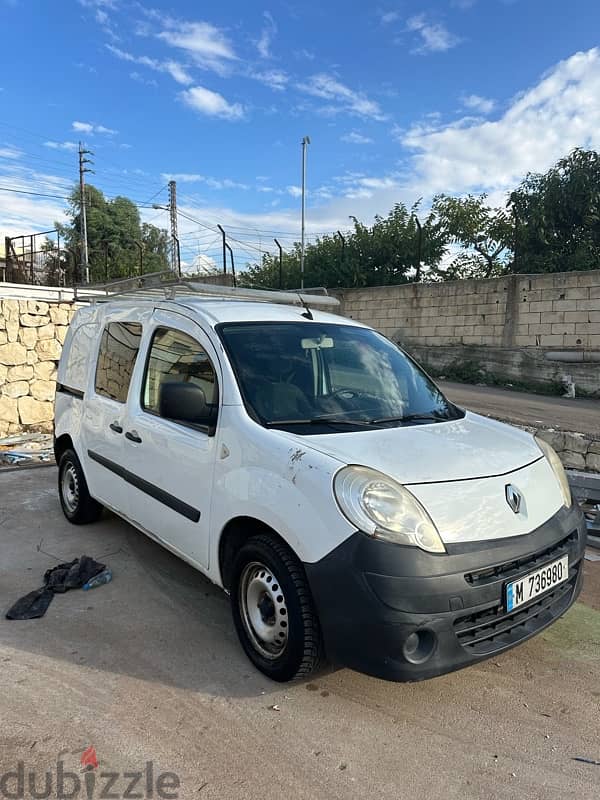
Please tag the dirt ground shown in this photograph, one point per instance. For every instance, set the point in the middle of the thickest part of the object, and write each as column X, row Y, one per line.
column 148, row 668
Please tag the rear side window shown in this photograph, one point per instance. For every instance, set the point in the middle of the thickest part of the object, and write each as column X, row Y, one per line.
column 175, row 356
column 118, row 351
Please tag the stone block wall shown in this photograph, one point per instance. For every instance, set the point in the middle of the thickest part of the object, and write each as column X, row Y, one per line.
column 31, row 336
column 535, row 315
column 560, row 310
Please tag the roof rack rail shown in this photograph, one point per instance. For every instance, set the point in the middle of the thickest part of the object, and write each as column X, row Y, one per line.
column 166, row 286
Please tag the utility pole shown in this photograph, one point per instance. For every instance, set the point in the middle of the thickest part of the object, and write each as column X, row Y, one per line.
column 85, row 267
column 305, row 143
column 175, row 256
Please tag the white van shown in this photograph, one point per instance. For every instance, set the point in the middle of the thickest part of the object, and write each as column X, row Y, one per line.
column 308, row 466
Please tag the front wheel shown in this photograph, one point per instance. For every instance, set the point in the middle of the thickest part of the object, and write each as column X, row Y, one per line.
column 77, row 504
column 273, row 610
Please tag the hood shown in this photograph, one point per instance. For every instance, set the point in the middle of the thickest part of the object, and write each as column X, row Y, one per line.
column 472, row 447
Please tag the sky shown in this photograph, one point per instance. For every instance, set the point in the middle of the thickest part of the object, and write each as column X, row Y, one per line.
column 401, row 100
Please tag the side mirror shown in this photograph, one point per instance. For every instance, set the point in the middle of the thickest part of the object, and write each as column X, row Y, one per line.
column 185, row 402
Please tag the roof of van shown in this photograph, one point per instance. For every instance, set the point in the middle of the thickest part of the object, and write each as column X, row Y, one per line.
column 218, row 310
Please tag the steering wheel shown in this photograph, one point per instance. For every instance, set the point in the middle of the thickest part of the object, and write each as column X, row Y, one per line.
column 345, row 393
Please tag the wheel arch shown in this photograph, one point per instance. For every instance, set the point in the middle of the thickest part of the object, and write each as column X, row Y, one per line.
column 61, row 444
column 237, row 531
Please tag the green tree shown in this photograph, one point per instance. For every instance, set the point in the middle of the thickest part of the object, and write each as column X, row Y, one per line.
column 557, row 216
column 386, row 252
column 485, row 234
column 114, row 229
column 155, row 245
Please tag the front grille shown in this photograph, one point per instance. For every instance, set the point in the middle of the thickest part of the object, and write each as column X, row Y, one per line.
column 528, row 563
column 493, row 629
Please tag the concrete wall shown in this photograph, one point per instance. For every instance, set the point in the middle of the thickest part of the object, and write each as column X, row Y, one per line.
column 507, row 317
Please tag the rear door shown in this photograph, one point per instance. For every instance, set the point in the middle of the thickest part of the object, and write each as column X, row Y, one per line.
column 171, row 464
column 105, row 408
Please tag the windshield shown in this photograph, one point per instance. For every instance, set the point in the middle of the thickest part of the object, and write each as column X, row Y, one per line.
column 327, row 377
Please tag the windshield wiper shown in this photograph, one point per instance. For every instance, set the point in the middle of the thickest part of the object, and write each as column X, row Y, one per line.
column 410, row 417
column 322, row 421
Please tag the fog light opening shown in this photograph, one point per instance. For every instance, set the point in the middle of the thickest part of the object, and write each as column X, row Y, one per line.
column 419, row 646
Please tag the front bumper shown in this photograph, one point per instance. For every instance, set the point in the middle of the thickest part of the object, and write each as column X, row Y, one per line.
column 372, row 596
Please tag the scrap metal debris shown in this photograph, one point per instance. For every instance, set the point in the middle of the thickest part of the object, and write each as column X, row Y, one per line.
column 25, row 449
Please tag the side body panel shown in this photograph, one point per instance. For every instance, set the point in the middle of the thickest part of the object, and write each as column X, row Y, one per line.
column 264, row 474
column 173, row 463
column 103, row 421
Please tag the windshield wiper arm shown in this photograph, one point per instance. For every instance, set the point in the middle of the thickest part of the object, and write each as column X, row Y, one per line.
column 321, row 421
column 410, row 417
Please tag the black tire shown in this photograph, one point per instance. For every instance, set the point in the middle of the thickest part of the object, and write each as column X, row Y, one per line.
column 292, row 607
column 77, row 505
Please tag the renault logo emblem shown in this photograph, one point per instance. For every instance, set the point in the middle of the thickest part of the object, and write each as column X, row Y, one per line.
column 513, row 497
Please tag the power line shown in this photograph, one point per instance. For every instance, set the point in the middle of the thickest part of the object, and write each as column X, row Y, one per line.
column 34, row 194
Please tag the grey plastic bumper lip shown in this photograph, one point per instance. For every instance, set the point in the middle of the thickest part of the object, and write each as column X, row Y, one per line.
column 365, row 625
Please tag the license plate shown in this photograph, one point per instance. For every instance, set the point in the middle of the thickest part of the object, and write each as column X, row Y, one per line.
column 536, row 583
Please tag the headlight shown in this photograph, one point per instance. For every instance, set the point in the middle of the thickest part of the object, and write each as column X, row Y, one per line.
column 557, row 469
column 384, row 509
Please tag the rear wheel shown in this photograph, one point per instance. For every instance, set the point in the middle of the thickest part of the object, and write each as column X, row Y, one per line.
column 273, row 610
column 77, row 505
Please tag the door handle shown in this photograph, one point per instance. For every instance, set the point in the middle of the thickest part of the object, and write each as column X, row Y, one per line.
column 114, row 426
column 133, row 436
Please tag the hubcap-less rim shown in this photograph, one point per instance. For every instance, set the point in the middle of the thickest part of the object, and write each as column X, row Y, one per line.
column 70, row 488
column 264, row 611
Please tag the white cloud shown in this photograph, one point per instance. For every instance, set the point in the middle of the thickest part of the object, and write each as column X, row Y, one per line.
column 434, row 37
column 212, row 183
column 182, row 177
column 10, row 152
column 177, row 72
column 172, row 68
column 275, row 79
column 61, row 145
column 136, row 76
column 91, row 128
column 225, row 183
column 387, row 17
column 294, row 191
column 211, row 103
column 542, row 124
column 22, row 213
column 205, row 43
column 83, row 127
column 101, row 10
column 341, row 97
column 474, row 102
column 263, row 45
column 354, row 137
column 95, row 4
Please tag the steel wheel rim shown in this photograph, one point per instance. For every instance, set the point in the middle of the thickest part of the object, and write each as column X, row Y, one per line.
column 70, row 488
column 263, row 610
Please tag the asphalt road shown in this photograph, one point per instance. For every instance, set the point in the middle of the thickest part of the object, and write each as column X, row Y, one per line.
column 148, row 668
column 581, row 414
